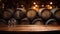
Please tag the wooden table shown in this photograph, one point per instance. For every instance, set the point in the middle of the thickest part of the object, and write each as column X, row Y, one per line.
column 29, row 28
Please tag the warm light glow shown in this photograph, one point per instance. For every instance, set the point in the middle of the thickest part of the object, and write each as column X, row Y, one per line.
column 49, row 7
column 42, row 5
column 51, row 3
column 34, row 7
column 34, row 3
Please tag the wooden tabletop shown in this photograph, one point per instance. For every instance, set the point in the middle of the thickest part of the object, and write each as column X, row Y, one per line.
column 29, row 28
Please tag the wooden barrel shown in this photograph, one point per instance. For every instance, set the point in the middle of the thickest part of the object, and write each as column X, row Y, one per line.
column 44, row 13
column 38, row 21
column 23, row 10
column 18, row 14
column 25, row 21
column 7, row 14
column 51, row 22
column 56, row 13
column 31, row 13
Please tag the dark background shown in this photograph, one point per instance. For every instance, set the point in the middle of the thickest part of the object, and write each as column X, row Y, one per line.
column 28, row 3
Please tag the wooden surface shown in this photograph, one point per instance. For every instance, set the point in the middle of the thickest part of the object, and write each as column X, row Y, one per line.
column 29, row 28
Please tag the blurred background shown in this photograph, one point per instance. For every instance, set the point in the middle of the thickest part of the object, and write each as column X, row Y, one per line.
column 30, row 3
column 29, row 12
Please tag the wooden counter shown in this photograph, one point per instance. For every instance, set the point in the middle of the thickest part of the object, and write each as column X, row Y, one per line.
column 29, row 28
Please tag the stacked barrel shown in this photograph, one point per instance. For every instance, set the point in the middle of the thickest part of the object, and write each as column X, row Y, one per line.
column 25, row 17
